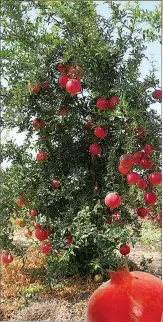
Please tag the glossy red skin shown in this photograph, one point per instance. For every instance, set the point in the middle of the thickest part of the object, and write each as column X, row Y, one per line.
column 89, row 125
column 73, row 86
column 69, row 240
column 33, row 213
column 155, row 178
column 123, row 170
column 41, row 234
column 46, row 248
column 142, row 212
column 100, row 132
column 126, row 160
column 133, row 177
column 55, row 184
column 7, row 258
column 137, row 157
column 157, row 94
column 148, row 149
column 142, row 184
column 95, row 149
column 102, row 103
column 112, row 101
column 150, row 197
column 38, row 124
column 41, row 156
column 146, row 164
column 124, row 249
column 63, row 79
column 133, row 297
column 20, row 202
column 113, row 200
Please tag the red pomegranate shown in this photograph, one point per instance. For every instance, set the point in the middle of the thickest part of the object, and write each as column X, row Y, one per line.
column 127, row 297
column 45, row 84
column 28, row 233
column 41, row 234
column 124, row 249
column 46, row 248
column 38, row 124
column 20, row 222
column 137, row 157
column 100, row 132
column 145, row 163
column 113, row 200
column 37, row 88
column 63, row 79
column 41, row 156
column 21, row 202
column 95, row 149
column 126, row 160
column 102, row 103
column 73, row 86
column 157, row 94
column 133, row 177
column 155, row 178
column 33, row 213
column 142, row 212
column 63, row 68
column 69, row 240
column 123, row 170
column 150, row 197
column 142, row 184
column 55, row 183
column 64, row 111
column 112, row 101
column 6, row 258
column 148, row 149
column 89, row 125
column 140, row 131
column 76, row 72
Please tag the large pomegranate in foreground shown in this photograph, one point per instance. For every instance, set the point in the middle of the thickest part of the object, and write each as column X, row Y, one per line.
column 127, row 297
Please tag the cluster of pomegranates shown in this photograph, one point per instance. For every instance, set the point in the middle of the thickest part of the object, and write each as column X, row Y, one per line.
column 70, row 78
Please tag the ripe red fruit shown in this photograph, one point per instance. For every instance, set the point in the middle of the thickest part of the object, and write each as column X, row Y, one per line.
column 37, row 88
column 155, row 178
column 146, row 164
column 21, row 202
column 76, row 72
column 102, row 103
column 112, row 101
column 123, row 170
column 89, row 125
column 63, row 79
column 142, row 212
column 20, row 222
column 148, row 149
column 137, row 157
column 28, row 233
column 126, row 160
column 69, row 240
column 73, row 86
column 95, row 149
column 63, row 68
column 41, row 234
column 142, row 184
column 38, row 124
column 38, row 226
column 46, row 248
column 150, row 197
column 55, row 183
column 64, row 111
column 140, row 131
column 157, row 94
column 41, row 156
column 124, row 249
column 33, row 213
column 113, row 200
column 7, row 258
column 127, row 297
column 133, row 177
column 45, row 84
column 100, row 132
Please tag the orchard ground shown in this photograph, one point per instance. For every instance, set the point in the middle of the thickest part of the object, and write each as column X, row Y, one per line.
column 26, row 296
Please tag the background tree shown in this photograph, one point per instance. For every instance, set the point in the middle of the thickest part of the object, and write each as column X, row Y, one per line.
column 73, row 33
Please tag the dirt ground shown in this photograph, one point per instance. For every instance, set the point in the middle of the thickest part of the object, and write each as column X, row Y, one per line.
column 72, row 306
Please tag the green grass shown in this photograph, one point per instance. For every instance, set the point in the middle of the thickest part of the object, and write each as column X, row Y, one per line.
column 150, row 235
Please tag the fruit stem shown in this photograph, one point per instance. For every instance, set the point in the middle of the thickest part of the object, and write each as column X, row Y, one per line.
column 125, row 262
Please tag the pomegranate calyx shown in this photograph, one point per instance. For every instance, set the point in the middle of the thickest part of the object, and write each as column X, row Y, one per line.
column 122, row 273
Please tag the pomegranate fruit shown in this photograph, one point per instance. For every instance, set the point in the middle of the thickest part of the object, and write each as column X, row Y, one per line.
column 133, row 177
column 73, row 86
column 55, row 183
column 33, row 213
column 89, row 125
column 140, row 131
column 102, row 103
column 63, row 79
column 126, row 160
column 37, row 88
column 150, row 197
column 155, row 178
column 123, row 170
column 127, row 297
column 142, row 184
column 63, row 68
column 21, row 202
column 38, row 124
column 112, row 101
column 46, row 248
column 69, row 240
column 95, row 149
column 6, row 258
column 146, row 164
column 64, row 111
column 142, row 212
column 113, row 200
column 148, row 149
column 76, row 72
column 41, row 156
column 124, row 249
column 41, row 233
column 100, row 132
column 137, row 157
column 157, row 94
column 20, row 222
